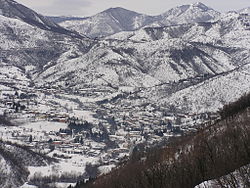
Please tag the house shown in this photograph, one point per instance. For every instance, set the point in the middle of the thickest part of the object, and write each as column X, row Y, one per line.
column 57, row 142
column 63, row 135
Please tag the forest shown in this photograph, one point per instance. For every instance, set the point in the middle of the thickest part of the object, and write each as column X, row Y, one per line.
column 210, row 154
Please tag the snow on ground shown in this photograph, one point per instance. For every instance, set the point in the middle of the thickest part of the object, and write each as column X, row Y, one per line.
column 11, row 72
column 236, row 176
column 75, row 165
column 22, row 29
column 106, row 169
column 1, row 111
column 57, row 185
column 86, row 115
column 82, row 99
column 213, row 94
column 26, row 185
column 4, row 167
column 64, row 185
column 42, row 108
column 2, row 87
column 45, row 126
column 206, row 184
column 35, row 129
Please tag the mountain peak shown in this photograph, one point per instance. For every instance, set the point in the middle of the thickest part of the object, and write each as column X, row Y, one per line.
column 245, row 10
column 200, row 6
column 189, row 7
column 190, row 13
column 119, row 10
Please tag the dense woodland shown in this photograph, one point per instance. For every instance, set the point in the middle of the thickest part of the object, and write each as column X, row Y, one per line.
column 5, row 121
column 211, row 153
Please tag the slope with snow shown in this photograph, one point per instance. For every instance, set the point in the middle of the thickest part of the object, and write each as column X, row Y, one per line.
column 108, row 22
column 189, row 68
column 115, row 20
column 245, row 10
column 192, row 13
column 239, row 177
column 151, row 56
column 14, row 160
column 15, row 10
column 144, row 58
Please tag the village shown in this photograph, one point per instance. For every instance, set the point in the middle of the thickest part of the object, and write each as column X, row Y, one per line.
column 101, row 133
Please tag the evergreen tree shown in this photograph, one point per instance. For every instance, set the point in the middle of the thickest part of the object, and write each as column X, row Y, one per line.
column 81, row 140
column 30, row 138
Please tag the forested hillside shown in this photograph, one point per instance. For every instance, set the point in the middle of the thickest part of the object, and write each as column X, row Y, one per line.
column 220, row 149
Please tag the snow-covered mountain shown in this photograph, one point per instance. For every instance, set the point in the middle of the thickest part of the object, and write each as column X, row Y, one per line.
column 108, row 22
column 12, row 9
column 118, row 19
column 174, row 52
column 59, row 19
column 25, row 47
column 143, row 58
column 192, row 13
column 226, row 42
column 245, row 10
column 182, row 67
column 166, row 59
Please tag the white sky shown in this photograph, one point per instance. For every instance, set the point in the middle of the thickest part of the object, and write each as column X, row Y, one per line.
column 151, row 7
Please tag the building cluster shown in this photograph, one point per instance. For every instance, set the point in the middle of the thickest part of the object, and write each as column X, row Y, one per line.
column 118, row 128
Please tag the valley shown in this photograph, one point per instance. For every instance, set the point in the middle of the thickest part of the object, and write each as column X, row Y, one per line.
column 80, row 104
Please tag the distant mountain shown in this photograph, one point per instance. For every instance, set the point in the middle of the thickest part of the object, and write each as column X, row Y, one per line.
column 115, row 20
column 29, row 39
column 59, row 19
column 109, row 22
column 161, row 54
column 12, row 9
column 142, row 58
column 245, row 10
column 193, row 13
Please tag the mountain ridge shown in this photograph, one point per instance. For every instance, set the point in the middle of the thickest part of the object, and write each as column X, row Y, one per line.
column 114, row 18
column 12, row 9
column 133, row 80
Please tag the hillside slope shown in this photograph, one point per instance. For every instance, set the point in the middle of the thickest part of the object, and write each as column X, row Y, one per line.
column 217, row 150
column 154, row 59
column 108, row 22
column 117, row 19
column 14, row 163
column 12, row 9
column 150, row 59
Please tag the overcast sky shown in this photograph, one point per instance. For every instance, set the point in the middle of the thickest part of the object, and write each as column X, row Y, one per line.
column 151, row 7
